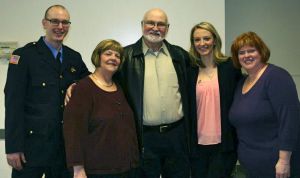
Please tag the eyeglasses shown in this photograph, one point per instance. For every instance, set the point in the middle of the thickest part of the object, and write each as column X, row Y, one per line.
column 151, row 24
column 56, row 22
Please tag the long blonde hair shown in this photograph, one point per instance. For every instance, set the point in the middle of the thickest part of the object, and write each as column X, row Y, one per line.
column 218, row 55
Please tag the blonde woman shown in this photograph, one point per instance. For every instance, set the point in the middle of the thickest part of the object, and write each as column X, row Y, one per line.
column 212, row 84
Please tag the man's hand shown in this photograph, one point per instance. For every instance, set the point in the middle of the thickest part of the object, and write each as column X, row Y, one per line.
column 69, row 93
column 15, row 160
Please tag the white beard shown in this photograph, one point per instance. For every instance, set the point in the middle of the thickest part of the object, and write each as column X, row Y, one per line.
column 153, row 38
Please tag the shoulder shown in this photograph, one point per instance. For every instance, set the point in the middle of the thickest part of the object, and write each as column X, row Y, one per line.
column 276, row 78
column 175, row 48
column 277, row 72
column 227, row 65
column 84, row 83
column 177, row 52
column 26, row 48
column 226, row 62
column 70, row 50
column 83, row 88
column 21, row 55
column 134, row 49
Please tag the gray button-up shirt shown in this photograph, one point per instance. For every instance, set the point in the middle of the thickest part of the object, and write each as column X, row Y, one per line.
column 162, row 99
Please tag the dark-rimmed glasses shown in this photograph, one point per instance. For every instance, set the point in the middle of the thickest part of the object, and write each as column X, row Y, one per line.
column 56, row 22
column 151, row 24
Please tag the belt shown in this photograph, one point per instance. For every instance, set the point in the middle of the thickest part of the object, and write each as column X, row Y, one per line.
column 162, row 128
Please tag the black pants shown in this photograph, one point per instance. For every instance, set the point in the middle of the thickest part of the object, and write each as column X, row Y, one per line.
column 209, row 162
column 165, row 154
column 38, row 172
column 128, row 174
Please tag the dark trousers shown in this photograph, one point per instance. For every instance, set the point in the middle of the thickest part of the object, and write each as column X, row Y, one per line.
column 209, row 162
column 129, row 174
column 38, row 172
column 165, row 154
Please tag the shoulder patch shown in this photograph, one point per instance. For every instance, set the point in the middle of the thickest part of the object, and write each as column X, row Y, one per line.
column 14, row 59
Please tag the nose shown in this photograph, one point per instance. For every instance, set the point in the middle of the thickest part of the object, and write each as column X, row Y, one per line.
column 247, row 54
column 155, row 27
column 115, row 56
column 201, row 41
column 60, row 25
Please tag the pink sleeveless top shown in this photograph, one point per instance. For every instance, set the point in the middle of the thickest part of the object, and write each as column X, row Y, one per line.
column 208, row 112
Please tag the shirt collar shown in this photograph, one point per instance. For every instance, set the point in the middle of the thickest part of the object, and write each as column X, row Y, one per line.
column 52, row 49
column 147, row 50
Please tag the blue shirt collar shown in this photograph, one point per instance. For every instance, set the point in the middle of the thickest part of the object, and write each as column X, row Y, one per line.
column 54, row 50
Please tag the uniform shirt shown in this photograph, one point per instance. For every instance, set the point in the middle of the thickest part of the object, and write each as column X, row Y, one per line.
column 54, row 50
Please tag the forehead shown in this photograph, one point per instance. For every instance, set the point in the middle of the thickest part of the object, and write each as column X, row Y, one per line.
column 246, row 47
column 111, row 51
column 59, row 13
column 201, row 32
column 155, row 15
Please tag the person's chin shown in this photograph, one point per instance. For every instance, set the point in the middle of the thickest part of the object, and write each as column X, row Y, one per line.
column 153, row 39
column 60, row 37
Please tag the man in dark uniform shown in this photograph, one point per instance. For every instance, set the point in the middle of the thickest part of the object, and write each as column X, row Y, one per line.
column 37, row 78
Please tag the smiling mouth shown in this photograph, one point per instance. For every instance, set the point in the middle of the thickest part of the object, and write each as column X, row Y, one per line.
column 249, row 60
column 112, row 63
column 156, row 33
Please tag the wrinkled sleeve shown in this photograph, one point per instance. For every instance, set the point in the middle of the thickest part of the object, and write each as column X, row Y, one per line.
column 15, row 94
column 76, row 115
column 284, row 100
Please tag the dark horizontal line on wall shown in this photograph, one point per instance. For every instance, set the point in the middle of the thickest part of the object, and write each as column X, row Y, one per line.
column 2, row 134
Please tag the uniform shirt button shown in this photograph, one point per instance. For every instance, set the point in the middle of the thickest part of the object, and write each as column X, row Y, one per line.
column 62, row 106
column 62, row 121
column 62, row 91
column 60, row 76
column 31, row 132
column 43, row 84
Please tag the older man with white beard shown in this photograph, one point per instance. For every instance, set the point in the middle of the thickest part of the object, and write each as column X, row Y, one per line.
column 154, row 78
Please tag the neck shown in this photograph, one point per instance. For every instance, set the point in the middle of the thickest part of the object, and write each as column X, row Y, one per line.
column 255, row 72
column 105, row 77
column 55, row 44
column 208, row 61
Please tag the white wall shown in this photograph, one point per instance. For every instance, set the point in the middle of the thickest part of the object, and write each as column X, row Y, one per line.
column 95, row 20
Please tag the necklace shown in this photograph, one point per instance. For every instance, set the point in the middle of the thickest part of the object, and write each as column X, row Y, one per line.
column 99, row 82
column 209, row 75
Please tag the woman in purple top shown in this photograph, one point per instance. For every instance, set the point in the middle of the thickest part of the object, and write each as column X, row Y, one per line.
column 265, row 112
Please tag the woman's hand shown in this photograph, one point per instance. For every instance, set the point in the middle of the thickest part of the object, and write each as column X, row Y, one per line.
column 283, row 164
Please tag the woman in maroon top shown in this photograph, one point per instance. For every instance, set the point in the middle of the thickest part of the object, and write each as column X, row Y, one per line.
column 99, row 128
